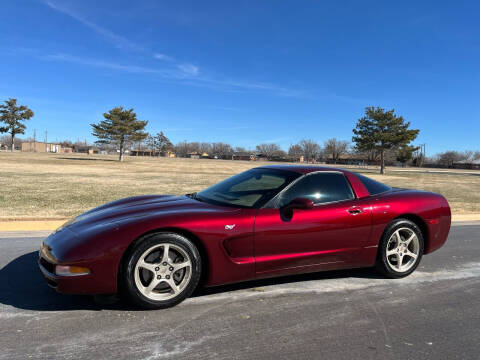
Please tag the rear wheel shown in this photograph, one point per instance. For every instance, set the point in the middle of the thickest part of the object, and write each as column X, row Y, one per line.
column 400, row 249
column 161, row 270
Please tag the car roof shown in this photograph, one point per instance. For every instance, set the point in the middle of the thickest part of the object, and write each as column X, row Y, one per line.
column 303, row 169
column 357, row 185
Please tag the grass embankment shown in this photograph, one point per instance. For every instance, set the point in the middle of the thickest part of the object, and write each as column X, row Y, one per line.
column 58, row 186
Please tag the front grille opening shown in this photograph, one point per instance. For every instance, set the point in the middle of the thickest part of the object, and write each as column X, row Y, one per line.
column 47, row 265
column 52, row 283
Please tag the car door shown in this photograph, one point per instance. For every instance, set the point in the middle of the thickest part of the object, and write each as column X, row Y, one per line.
column 327, row 236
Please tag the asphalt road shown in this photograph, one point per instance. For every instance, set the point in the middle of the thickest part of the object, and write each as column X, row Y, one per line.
column 432, row 314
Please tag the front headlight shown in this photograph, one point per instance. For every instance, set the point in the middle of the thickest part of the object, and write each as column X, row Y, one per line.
column 66, row 270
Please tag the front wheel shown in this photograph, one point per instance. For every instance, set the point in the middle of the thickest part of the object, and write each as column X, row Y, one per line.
column 161, row 270
column 400, row 249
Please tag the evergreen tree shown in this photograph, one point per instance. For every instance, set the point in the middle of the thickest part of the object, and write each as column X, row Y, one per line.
column 120, row 127
column 13, row 117
column 382, row 130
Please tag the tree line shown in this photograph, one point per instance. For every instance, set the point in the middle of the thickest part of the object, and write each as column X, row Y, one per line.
column 379, row 136
column 377, row 132
column 309, row 149
column 448, row 158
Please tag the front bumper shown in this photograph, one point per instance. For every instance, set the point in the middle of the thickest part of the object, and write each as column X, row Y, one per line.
column 100, row 280
column 81, row 284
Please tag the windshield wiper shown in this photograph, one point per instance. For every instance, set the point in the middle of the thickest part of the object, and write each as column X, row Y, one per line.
column 194, row 196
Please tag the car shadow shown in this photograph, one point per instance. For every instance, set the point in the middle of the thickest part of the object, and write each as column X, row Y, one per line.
column 22, row 286
column 364, row 273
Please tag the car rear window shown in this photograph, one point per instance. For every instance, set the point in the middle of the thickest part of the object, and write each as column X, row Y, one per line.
column 373, row 187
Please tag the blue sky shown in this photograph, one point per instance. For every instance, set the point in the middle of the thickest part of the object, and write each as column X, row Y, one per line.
column 245, row 72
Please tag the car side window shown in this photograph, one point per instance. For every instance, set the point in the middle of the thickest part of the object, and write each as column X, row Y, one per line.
column 320, row 188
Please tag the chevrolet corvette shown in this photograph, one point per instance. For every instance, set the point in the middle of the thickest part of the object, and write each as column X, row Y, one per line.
column 265, row 222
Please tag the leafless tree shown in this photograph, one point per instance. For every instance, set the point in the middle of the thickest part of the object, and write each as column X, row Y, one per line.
column 6, row 140
column 448, row 158
column 194, row 147
column 182, row 149
column 222, row 150
column 240, row 149
column 295, row 151
column 335, row 148
column 270, row 150
column 204, row 147
column 310, row 149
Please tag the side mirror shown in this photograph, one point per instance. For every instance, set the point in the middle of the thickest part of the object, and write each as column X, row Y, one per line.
column 299, row 203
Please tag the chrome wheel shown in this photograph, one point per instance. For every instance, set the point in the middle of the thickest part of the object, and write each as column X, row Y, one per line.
column 163, row 271
column 403, row 249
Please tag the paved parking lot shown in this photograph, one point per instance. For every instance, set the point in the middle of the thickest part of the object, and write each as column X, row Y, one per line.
column 355, row 314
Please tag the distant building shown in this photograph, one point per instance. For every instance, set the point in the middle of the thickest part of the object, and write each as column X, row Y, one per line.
column 296, row 158
column 467, row 164
column 146, row 152
column 261, row 157
column 246, row 156
column 37, row 146
column 85, row 149
column 351, row 159
column 143, row 152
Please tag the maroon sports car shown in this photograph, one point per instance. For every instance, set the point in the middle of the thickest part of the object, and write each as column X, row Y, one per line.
column 264, row 222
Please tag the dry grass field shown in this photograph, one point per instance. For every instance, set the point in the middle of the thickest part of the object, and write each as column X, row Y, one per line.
column 58, row 186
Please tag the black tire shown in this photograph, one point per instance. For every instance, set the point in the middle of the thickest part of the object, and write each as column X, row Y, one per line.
column 382, row 264
column 127, row 271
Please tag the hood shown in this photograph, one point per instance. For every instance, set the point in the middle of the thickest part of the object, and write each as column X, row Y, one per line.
column 141, row 207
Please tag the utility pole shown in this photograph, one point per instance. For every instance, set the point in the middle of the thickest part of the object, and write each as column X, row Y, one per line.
column 46, row 136
column 34, row 140
column 422, row 152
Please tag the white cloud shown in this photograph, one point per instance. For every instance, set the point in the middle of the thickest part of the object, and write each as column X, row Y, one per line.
column 188, row 69
column 185, row 68
column 100, row 64
column 117, row 40
column 186, row 74
column 162, row 57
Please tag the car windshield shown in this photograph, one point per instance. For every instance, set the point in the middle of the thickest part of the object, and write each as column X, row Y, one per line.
column 250, row 189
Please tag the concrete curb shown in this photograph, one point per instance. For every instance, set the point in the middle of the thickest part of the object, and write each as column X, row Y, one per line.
column 466, row 223
column 31, row 225
column 24, row 234
column 465, row 217
column 50, row 225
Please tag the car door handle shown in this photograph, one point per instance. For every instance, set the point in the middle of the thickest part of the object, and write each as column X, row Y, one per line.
column 355, row 210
